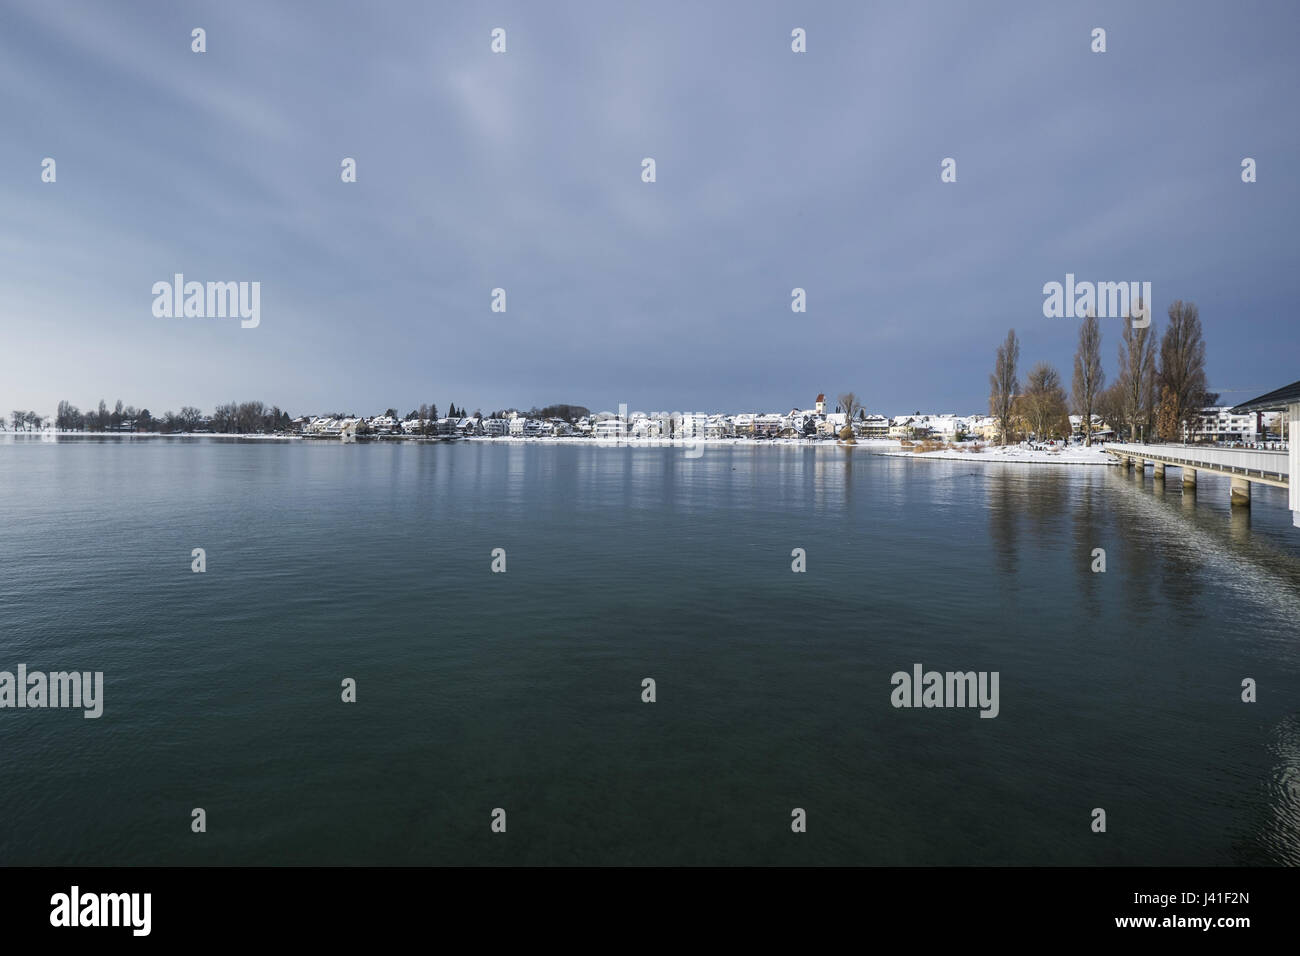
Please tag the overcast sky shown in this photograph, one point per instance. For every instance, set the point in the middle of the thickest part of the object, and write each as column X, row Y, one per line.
column 522, row 170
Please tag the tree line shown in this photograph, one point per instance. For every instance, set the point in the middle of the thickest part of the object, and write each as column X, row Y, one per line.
column 231, row 418
column 564, row 411
column 240, row 418
column 1155, row 393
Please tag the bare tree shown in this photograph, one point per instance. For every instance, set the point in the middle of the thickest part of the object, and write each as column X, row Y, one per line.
column 1003, row 384
column 68, row 417
column 1088, row 374
column 1137, row 378
column 1110, row 406
column 1043, row 404
column 849, row 405
column 251, row 416
column 225, row 417
column 1181, row 375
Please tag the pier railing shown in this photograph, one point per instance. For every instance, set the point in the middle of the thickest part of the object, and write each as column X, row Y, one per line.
column 1272, row 467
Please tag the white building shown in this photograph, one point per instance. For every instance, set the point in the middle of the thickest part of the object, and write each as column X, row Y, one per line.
column 643, row 426
column 1100, row 430
column 1218, row 423
column 332, row 427
column 611, row 428
column 693, row 425
column 769, row 425
column 873, row 426
column 831, row 423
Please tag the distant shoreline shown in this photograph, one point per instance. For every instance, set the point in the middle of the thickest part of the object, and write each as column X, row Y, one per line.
column 66, row 434
column 501, row 439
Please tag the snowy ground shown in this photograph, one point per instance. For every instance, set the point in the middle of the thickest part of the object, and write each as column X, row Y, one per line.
column 684, row 442
column 1019, row 454
column 53, row 432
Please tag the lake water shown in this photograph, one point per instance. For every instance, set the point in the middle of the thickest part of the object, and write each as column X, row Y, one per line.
column 522, row 690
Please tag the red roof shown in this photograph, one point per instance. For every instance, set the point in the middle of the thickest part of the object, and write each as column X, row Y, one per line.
column 821, row 398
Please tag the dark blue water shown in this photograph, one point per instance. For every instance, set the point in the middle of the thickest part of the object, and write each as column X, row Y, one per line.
column 522, row 690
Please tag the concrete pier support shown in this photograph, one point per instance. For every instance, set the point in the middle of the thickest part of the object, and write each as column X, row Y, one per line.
column 1240, row 492
column 1243, row 467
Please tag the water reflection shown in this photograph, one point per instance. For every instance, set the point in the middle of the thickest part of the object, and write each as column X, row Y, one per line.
column 1003, row 508
column 1198, row 548
column 1091, row 526
column 1281, row 836
column 1239, row 525
column 1044, row 493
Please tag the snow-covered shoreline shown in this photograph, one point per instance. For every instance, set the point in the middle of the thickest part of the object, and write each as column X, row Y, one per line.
column 864, row 443
column 54, row 433
column 1015, row 454
column 681, row 442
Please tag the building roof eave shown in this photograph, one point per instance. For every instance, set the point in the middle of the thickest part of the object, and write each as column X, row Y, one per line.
column 1278, row 398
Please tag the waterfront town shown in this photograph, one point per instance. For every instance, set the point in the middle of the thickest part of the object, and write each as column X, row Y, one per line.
column 823, row 421
column 1216, row 424
column 1156, row 393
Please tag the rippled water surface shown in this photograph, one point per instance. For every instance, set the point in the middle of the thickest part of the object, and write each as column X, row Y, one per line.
column 522, row 690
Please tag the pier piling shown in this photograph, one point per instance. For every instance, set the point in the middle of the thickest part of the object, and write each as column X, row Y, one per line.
column 1240, row 492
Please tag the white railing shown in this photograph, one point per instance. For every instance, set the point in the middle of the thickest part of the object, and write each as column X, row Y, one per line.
column 1232, row 460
